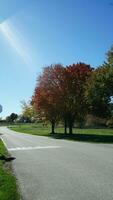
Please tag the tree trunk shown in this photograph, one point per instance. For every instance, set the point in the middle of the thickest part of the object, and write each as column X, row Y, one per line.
column 65, row 126
column 52, row 127
column 71, row 129
column 70, row 126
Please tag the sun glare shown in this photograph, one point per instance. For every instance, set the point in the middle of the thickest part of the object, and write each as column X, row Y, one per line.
column 16, row 40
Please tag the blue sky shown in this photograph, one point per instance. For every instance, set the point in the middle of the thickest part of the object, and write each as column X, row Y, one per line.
column 36, row 33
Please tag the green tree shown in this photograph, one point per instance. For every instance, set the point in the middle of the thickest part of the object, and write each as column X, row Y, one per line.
column 110, row 57
column 28, row 111
column 100, row 91
column 12, row 117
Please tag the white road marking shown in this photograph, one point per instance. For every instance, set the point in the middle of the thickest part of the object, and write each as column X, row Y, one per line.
column 31, row 148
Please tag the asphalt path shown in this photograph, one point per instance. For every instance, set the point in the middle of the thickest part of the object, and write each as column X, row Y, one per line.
column 53, row 169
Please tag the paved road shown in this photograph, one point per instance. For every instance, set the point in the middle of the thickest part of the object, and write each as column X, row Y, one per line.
column 52, row 169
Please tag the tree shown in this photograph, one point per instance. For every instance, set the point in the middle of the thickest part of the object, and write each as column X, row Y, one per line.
column 100, row 91
column 100, row 88
column 12, row 117
column 28, row 112
column 110, row 57
column 60, row 93
column 46, row 95
column 75, row 100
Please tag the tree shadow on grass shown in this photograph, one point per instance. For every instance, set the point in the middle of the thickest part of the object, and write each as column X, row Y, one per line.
column 84, row 137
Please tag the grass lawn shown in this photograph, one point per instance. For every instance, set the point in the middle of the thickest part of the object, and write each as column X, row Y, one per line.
column 8, row 187
column 90, row 135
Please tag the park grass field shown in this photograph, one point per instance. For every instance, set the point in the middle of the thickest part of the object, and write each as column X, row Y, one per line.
column 90, row 135
column 8, row 186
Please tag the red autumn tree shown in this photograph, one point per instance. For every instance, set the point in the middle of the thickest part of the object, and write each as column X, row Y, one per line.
column 60, row 93
column 46, row 97
column 75, row 102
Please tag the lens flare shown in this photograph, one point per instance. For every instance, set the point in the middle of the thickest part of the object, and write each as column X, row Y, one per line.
column 17, row 41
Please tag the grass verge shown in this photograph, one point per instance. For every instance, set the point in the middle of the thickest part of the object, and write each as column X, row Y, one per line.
column 8, row 187
column 88, row 135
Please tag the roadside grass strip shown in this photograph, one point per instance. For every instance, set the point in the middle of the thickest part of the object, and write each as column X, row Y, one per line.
column 98, row 135
column 8, row 186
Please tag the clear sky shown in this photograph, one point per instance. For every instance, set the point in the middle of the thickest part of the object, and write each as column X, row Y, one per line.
column 36, row 33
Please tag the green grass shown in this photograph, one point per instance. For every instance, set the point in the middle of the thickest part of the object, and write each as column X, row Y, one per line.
column 8, row 187
column 90, row 135
column 34, row 129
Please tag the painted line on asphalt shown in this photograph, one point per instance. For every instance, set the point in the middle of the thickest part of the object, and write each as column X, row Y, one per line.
column 32, row 148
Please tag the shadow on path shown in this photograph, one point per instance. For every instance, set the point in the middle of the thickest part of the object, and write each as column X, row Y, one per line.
column 84, row 137
column 7, row 159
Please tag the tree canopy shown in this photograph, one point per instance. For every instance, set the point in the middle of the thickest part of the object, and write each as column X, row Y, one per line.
column 68, row 93
column 100, row 88
column 60, row 93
